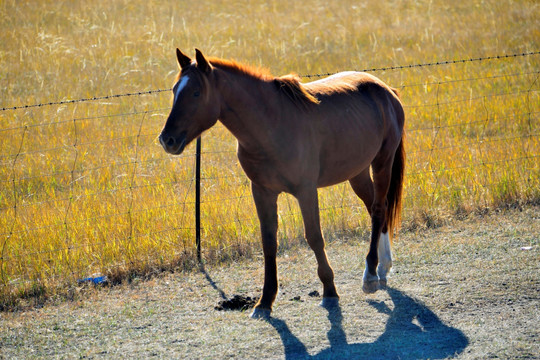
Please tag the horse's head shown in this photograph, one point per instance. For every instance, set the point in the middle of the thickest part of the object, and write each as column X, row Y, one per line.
column 195, row 104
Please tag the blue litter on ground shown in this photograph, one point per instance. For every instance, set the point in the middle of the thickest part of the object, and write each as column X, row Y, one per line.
column 94, row 280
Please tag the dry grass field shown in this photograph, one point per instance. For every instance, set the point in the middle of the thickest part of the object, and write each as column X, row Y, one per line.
column 86, row 189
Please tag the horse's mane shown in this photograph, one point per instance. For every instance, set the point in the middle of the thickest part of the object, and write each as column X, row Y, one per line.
column 289, row 85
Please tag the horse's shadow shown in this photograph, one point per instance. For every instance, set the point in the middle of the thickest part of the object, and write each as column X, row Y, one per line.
column 412, row 331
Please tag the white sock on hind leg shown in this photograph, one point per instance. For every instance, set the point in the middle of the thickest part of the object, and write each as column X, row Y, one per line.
column 385, row 256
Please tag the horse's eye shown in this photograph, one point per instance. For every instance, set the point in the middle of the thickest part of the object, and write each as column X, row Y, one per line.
column 197, row 94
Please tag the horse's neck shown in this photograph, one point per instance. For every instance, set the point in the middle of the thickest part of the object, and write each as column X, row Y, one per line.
column 247, row 110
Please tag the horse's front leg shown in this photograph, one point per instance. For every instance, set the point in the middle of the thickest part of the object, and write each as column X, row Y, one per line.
column 309, row 205
column 266, row 204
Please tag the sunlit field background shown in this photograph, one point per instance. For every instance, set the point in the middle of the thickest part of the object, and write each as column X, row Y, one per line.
column 86, row 189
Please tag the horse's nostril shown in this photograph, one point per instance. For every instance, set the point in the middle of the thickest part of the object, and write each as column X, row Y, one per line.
column 170, row 141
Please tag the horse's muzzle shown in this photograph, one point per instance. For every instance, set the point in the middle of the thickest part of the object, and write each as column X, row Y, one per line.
column 173, row 145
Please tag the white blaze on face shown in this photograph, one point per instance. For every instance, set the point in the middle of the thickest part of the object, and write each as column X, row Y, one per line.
column 181, row 85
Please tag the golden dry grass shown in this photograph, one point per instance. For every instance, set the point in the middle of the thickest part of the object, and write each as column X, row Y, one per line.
column 85, row 188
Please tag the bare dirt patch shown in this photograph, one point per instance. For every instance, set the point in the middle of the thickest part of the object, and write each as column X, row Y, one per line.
column 469, row 289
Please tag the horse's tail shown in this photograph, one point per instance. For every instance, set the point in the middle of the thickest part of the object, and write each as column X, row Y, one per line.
column 393, row 210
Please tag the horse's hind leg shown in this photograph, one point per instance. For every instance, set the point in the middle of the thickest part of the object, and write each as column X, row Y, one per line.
column 379, row 259
column 309, row 206
column 363, row 187
column 385, row 258
column 266, row 203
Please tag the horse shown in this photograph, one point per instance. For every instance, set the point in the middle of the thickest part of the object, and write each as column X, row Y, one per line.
column 295, row 138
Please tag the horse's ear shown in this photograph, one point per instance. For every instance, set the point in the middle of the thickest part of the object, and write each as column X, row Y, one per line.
column 183, row 60
column 202, row 63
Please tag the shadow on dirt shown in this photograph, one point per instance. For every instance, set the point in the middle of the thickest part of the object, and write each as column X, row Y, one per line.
column 412, row 332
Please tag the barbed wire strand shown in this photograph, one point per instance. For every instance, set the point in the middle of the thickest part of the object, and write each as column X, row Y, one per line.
column 437, row 63
column 95, row 98
column 386, row 68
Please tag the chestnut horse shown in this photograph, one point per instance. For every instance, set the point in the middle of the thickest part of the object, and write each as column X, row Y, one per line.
column 295, row 138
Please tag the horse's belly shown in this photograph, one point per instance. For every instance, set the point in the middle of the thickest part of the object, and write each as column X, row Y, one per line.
column 342, row 160
column 337, row 174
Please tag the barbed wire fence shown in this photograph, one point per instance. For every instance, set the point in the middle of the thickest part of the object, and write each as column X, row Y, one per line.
column 90, row 194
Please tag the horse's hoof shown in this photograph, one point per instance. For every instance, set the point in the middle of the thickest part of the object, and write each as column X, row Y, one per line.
column 370, row 282
column 370, row 286
column 382, row 284
column 329, row 302
column 260, row 313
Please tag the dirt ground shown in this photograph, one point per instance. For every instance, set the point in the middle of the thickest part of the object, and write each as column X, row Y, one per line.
column 468, row 289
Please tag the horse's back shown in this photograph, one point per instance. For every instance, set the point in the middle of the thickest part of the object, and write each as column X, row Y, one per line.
column 348, row 82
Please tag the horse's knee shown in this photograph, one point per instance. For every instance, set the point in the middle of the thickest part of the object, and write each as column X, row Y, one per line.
column 316, row 244
column 326, row 274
